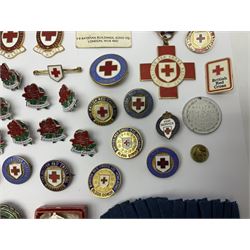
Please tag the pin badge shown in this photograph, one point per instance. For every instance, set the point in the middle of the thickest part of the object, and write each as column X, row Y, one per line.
column 199, row 153
column 16, row 170
column 108, row 70
column 2, row 144
column 219, row 76
column 35, row 97
column 19, row 132
column 9, row 212
column 138, row 103
column 11, row 43
column 83, row 144
column 11, row 79
column 49, row 43
column 102, row 110
column 55, row 175
column 168, row 125
column 104, row 180
column 4, row 109
column 56, row 72
column 51, row 131
column 162, row 162
column 67, row 99
column 202, row 115
column 127, row 143
column 200, row 41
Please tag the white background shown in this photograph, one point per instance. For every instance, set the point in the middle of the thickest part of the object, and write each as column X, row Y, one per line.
column 224, row 175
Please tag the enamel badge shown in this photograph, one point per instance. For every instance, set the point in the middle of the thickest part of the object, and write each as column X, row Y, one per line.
column 168, row 125
column 51, row 131
column 4, row 109
column 49, row 43
column 67, row 99
column 83, row 144
column 35, row 97
column 219, row 76
column 11, row 43
column 2, row 144
column 10, row 78
column 9, row 212
column 19, row 132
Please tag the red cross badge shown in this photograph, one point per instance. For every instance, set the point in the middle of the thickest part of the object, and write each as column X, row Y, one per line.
column 11, row 43
column 49, row 43
column 219, row 76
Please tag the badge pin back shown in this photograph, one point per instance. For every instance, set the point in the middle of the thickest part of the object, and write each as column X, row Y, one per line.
column 102, row 110
column 55, row 175
column 11, row 43
column 168, row 125
column 5, row 109
column 67, row 99
column 104, row 180
column 127, row 143
column 219, row 76
column 16, row 170
column 162, row 162
column 200, row 41
column 138, row 103
column 109, row 69
column 35, row 97
column 199, row 153
column 11, row 79
column 83, row 144
column 9, row 212
column 49, row 43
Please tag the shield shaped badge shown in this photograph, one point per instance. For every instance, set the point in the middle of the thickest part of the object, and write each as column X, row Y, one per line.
column 104, row 180
column 162, row 163
column 9, row 39
column 200, row 38
column 102, row 111
column 167, row 71
column 55, row 72
column 54, row 177
column 48, row 38
column 138, row 103
column 167, row 126
column 126, row 142
column 16, row 170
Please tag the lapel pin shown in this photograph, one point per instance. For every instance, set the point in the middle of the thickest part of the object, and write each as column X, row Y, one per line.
column 4, row 109
column 2, row 144
column 67, row 99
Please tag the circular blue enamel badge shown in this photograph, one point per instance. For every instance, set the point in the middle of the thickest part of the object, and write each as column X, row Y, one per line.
column 138, row 103
column 16, row 170
column 162, row 162
column 109, row 69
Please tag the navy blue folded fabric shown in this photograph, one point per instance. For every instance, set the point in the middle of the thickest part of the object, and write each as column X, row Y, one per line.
column 116, row 212
column 227, row 209
column 235, row 210
column 128, row 210
column 179, row 209
column 205, row 208
column 166, row 207
column 141, row 209
column 192, row 210
column 217, row 209
column 153, row 208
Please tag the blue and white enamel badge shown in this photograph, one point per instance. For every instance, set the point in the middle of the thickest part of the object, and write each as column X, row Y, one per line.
column 16, row 170
column 109, row 69
column 162, row 162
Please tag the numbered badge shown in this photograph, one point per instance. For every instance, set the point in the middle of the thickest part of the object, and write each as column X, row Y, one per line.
column 35, row 97
column 168, row 125
column 67, row 99
column 49, row 43
column 19, row 132
column 2, row 144
column 11, row 43
column 4, row 109
column 219, row 76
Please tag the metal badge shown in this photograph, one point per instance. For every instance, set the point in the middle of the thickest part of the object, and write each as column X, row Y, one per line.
column 202, row 115
column 83, row 144
column 167, row 71
column 108, row 70
column 56, row 72
column 219, row 76
column 4, row 109
column 11, row 79
column 35, row 97
column 127, row 143
column 11, row 43
column 200, row 41
column 138, row 103
column 49, row 43
column 67, row 99
column 55, row 175
column 104, row 180
column 51, row 131
column 102, row 110
column 162, row 162
column 16, row 170
column 2, row 144
column 19, row 132
column 199, row 153
column 9, row 212
column 168, row 125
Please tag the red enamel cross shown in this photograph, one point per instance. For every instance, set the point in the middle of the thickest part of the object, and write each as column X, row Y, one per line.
column 15, row 170
column 108, row 68
column 9, row 36
column 48, row 35
column 162, row 163
column 55, row 72
column 54, row 176
column 218, row 70
column 138, row 104
column 102, row 112
column 167, row 92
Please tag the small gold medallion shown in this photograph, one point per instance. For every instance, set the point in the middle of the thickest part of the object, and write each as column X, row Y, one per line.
column 199, row 153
